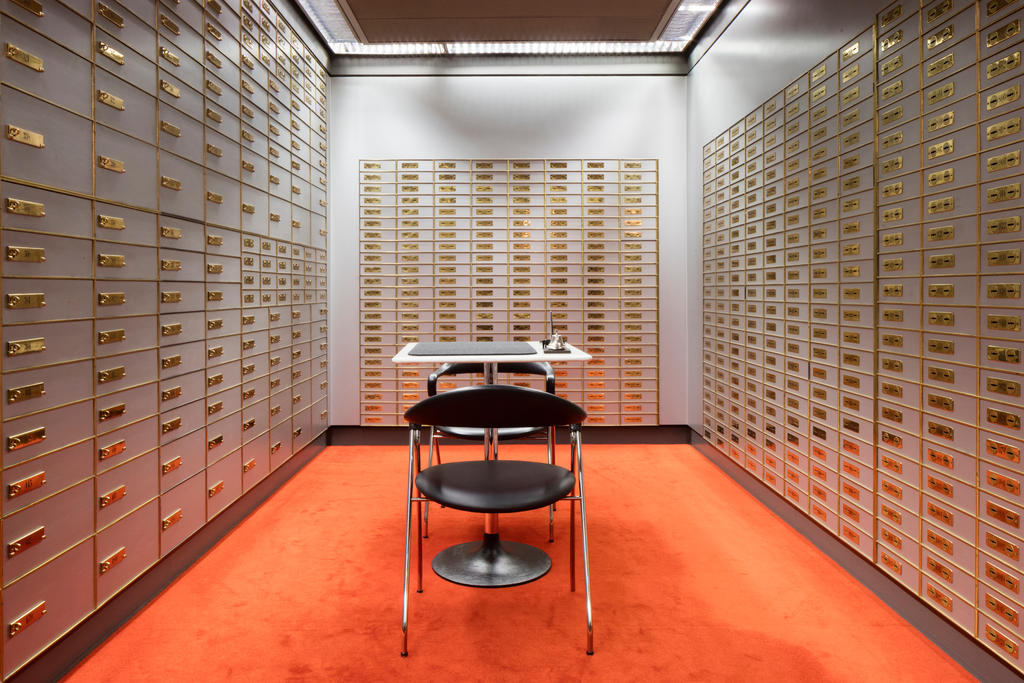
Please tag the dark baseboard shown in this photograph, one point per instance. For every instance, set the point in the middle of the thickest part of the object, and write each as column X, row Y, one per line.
column 959, row 645
column 63, row 655
column 398, row 436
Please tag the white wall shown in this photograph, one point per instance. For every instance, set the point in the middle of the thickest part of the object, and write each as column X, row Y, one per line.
column 767, row 45
column 526, row 116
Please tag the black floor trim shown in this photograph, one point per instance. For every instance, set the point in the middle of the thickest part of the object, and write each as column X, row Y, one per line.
column 963, row 648
column 63, row 655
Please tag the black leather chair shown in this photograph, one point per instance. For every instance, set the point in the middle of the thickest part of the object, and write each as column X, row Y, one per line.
column 494, row 487
column 476, row 434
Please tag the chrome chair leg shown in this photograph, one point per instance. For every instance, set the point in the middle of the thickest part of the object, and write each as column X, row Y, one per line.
column 430, row 463
column 419, row 528
column 572, row 520
column 408, row 531
column 586, row 549
column 551, row 508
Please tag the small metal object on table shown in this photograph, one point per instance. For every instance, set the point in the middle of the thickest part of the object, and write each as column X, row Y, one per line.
column 491, row 562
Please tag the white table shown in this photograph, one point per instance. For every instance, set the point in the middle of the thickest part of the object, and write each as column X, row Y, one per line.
column 573, row 355
column 491, row 563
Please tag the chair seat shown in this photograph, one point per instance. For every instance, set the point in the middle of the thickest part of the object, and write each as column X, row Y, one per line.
column 477, row 433
column 497, row 486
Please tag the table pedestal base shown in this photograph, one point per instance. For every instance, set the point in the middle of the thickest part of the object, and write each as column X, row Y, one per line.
column 491, row 563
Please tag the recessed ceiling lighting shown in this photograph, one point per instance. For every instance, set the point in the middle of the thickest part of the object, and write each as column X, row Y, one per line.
column 327, row 18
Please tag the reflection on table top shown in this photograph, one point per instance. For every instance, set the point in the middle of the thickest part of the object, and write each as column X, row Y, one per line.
column 573, row 355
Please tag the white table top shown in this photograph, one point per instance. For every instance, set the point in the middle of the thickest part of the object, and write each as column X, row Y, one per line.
column 574, row 355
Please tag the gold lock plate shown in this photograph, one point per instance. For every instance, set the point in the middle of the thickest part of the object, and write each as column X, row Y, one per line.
column 113, row 449
column 168, row 394
column 170, row 465
column 170, row 520
column 111, row 298
column 170, row 425
column 26, row 254
column 111, row 375
column 214, row 408
column 22, row 301
column 111, row 337
column 23, row 486
column 215, row 489
column 15, row 53
column 113, row 560
column 26, row 620
column 26, row 392
column 110, row 222
column 110, row 164
column 170, row 330
column 170, row 297
column 33, row 436
column 24, row 207
column 113, row 411
column 109, row 99
column 110, row 260
column 113, row 496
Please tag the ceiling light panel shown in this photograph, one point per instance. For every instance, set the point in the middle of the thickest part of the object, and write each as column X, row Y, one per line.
column 328, row 19
column 688, row 19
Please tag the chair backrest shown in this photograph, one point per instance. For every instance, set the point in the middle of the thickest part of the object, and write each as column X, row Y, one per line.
column 495, row 405
column 535, row 368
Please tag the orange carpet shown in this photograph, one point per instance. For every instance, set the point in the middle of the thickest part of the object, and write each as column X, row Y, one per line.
column 693, row 580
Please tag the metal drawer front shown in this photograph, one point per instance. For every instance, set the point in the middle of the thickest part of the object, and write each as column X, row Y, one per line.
column 34, row 390
column 182, row 328
column 180, row 359
column 45, row 69
column 223, row 323
column 256, row 460
column 38, row 210
column 111, row 54
column 179, row 133
column 280, row 443
column 124, row 444
column 65, row 521
column 122, row 224
column 58, row 22
column 181, row 390
column 180, row 62
column 124, row 488
column 113, row 17
column 223, row 200
column 64, row 162
column 223, row 483
column 175, row 265
column 26, row 346
column 32, row 255
column 178, row 94
column 181, row 459
column 126, row 169
column 63, row 588
column 125, row 108
column 126, row 406
column 222, row 241
column 182, row 511
column 125, row 549
column 26, row 484
column 31, row 300
column 125, row 262
column 117, row 298
column 177, row 297
column 178, row 423
column 224, row 403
